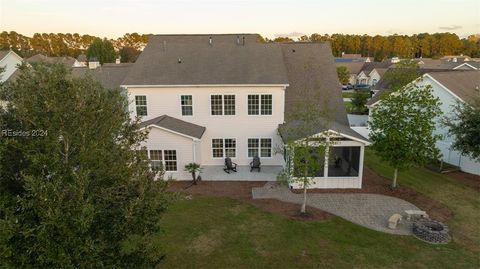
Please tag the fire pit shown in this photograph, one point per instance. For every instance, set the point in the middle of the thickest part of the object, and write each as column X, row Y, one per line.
column 431, row 231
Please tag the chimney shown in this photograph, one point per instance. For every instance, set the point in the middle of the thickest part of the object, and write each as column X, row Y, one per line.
column 210, row 41
column 117, row 61
column 93, row 63
column 454, row 59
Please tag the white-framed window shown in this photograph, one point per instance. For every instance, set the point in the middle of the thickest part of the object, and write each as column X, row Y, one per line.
column 222, row 104
column 260, row 104
column 261, row 147
column 141, row 105
column 224, row 147
column 163, row 158
column 186, row 103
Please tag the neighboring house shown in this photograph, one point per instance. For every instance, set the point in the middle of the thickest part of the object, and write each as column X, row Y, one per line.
column 353, row 69
column 365, row 73
column 207, row 97
column 352, row 58
column 450, row 87
column 67, row 60
column 81, row 61
column 456, row 58
column 10, row 61
column 110, row 76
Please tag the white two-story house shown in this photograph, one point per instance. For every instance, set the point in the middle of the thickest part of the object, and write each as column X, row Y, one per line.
column 204, row 98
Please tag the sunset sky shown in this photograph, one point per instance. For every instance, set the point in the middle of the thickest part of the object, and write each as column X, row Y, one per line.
column 271, row 18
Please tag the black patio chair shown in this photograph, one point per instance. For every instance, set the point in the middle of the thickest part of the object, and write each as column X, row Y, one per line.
column 255, row 164
column 229, row 166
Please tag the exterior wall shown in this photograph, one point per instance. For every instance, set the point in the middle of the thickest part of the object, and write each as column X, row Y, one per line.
column 241, row 126
column 450, row 156
column 163, row 140
column 373, row 76
column 338, row 182
column 10, row 63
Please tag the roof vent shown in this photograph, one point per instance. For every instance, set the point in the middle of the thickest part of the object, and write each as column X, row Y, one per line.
column 293, row 50
column 179, row 60
column 210, row 41
column 243, row 40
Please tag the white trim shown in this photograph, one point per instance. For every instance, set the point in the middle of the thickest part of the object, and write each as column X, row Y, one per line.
column 171, row 131
column 260, row 148
column 193, row 105
column 260, row 105
column 13, row 53
column 206, row 85
column 223, row 148
column 471, row 66
column 351, row 137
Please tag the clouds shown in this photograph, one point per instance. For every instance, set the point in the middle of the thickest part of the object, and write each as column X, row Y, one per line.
column 291, row 35
column 451, row 27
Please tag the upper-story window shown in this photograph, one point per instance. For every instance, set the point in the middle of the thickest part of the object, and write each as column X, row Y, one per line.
column 141, row 105
column 260, row 104
column 222, row 104
column 186, row 103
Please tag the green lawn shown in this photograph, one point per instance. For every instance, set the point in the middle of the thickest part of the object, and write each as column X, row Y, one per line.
column 209, row 232
column 348, row 94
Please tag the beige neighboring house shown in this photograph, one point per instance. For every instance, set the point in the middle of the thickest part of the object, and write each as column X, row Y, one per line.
column 354, row 68
column 82, row 61
column 10, row 61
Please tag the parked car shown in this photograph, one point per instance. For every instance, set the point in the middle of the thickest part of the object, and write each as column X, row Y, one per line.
column 347, row 87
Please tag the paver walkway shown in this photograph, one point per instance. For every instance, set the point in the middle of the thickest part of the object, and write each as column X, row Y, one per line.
column 369, row 210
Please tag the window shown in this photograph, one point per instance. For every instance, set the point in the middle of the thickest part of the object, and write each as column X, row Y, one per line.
column 141, row 105
column 170, row 160
column 166, row 159
column 186, row 103
column 229, row 104
column 216, row 104
column 224, row 147
column 374, row 82
column 156, row 159
column 260, row 104
column 261, row 147
column 222, row 104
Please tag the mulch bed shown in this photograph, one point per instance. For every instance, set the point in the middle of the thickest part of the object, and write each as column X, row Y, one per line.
column 242, row 190
column 372, row 183
column 470, row 180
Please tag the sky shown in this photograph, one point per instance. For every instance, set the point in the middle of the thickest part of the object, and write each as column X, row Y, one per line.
column 270, row 18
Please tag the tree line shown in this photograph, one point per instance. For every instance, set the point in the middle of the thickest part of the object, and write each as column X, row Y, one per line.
column 379, row 47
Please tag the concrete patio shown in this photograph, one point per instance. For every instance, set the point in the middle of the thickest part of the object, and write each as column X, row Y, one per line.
column 216, row 173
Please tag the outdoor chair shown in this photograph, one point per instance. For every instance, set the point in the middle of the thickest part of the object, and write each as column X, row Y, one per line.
column 229, row 166
column 255, row 164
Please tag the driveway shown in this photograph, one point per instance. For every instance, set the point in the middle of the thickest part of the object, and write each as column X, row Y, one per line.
column 368, row 210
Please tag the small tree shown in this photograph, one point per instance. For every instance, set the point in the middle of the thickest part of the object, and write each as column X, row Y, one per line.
column 402, row 126
column 343, row 74
column 305, row 142
column 464, row 126
column 102, row 50
column 193, row 168
column 359, row 101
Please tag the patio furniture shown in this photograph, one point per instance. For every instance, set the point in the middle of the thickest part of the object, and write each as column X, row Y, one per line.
column 255, row 164
column 394, row 220
column 416, row 213
column 229, row 166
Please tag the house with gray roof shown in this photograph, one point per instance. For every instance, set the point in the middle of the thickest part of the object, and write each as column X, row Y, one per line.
column 450, row 87
column 204, row 98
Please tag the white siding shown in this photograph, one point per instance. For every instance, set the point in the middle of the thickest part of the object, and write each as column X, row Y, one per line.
column 163, row 140
column 241, row 126
column 10, row 63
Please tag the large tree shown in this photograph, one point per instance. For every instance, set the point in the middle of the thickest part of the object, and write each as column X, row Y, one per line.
column 402, row 126
column 73, row 193
column 102, row 50
column 464, row 126
column 128, row 54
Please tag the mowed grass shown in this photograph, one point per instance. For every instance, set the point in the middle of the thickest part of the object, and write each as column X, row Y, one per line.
column 213, row 232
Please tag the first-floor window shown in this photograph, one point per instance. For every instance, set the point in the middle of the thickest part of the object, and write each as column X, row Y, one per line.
column 141, row 105
column 260, row 147
column 224, row 147
column 163, row 159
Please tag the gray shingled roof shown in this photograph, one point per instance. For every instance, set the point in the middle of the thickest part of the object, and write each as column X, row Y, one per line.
column 312, row 74
column 192, row 60
column 176, row 125
column 109, row 75
column 82, row 58
column 353, row 67
column 67, row 60
column 464, row 84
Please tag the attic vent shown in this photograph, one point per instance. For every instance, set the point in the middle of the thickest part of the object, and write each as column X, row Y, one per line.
column 210, row 41
column 179, row 60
